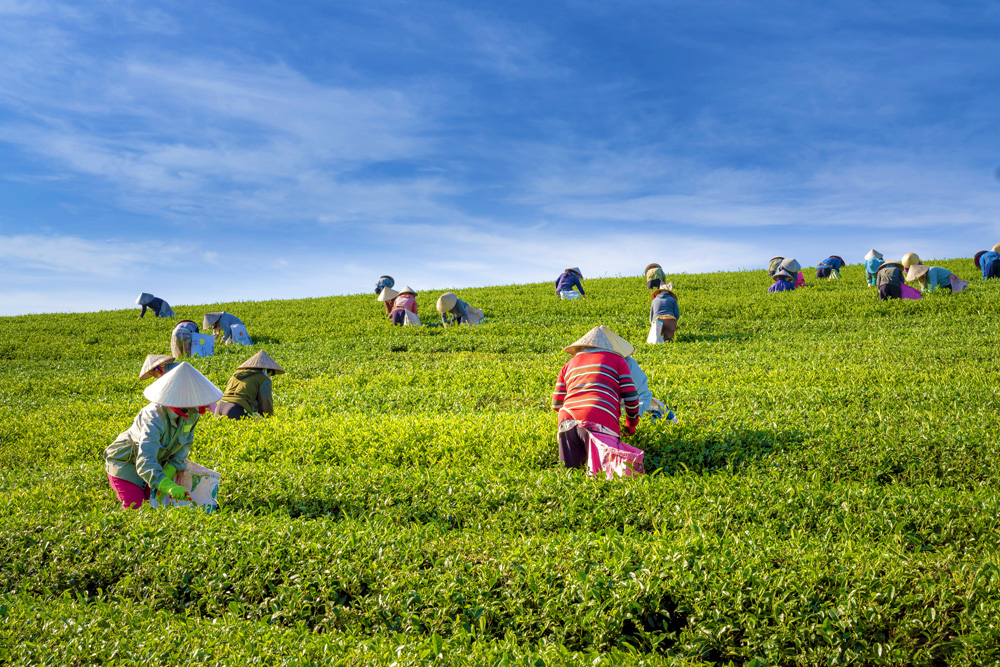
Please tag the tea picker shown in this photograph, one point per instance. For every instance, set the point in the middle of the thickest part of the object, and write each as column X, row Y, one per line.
column 180, row 338
column 889, row 281
column 567, row 281
column 830, row 267
column 150, row 453
column 783, row 282
column 248, row 391
column 663, row 315
column 156, row 365
column 159, row 307
column 461, row 312
column 388, row 297
column 873, row 260
column 227, row 327
column 648, row 405
column 404, row 307
column 383, row 282
column 988, row 261
column 654, row 276
column 932, row 277
column 792, row 267
column 590, row 391
column 773, row 265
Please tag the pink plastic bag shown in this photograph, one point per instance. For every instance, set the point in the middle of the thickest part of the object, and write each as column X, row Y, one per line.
column 613, row 457
column 957, row 284
column 908, row 292
column 799, row 280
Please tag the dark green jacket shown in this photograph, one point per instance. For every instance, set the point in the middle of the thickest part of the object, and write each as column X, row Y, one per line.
column 251, row 389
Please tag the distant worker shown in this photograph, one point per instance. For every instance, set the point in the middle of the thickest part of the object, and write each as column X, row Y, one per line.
column 889, row 280
column 461, row 312
column 150, row 453
column 932, row 277
column 654, row 276
column 773, row 265
column 873, row 260
column 794, row 269
column 783, row 282
column 248, row 391
column 663, row 308
column 388, row 297
column 988, row 261
column 222, row 325
column 383, row 282
column 566, row 281
column 910, row 259
column 589, row 392
column 404, row 307
column 156, row 365
column 180, row 338
column 830, row 267
column 159, row 307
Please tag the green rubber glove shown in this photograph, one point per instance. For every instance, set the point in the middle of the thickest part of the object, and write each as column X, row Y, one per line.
column 175, row 491
column 170, row 471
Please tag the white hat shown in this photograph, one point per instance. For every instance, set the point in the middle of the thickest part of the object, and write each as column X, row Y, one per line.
column 387, row 294
column 152, row 361
column 996, row 248
column 446, row 302
column 406, row 289
column 791, row 265
column 143, row 299
column 264, row 362
column 917, row 271
column 210, row 319
column 575, row 270
column 602, row 338
column 872, row 254
column 183, row 386
column 781, row 273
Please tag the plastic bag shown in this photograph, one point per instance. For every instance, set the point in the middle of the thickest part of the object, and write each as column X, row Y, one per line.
column 611, row 456
column 201, row 483
column 908, row 292
column 570, row 294
column 957, row 284
column 410, row 318
column 655, row 333
column 475, row 316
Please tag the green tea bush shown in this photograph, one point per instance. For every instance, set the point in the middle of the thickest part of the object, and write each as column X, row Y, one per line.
column 828, row 496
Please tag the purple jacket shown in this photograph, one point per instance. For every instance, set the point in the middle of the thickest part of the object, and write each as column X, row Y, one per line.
column 781, row 286
column 567, row 281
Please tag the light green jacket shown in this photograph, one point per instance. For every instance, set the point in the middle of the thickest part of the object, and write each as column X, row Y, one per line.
column 157, row 437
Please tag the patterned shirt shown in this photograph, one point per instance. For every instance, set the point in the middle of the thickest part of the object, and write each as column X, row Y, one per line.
column 592, row 386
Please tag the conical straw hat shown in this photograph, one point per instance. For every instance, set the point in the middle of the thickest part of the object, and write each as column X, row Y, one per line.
column 387, row 294
column 210, row 319
column 183, row 387
column 977, row 256
column 601, row 338
column 896, row 264
column 996, row 248
column 152, row 361
column 143, row 299
column 651, row 266
column 779, row 258
column 446, row 302
column 406, row 289
column 791, row 265
column 917, row 271
column 873, row 253
column 909, row 259
column 389, row 277
column 666, row 289
column 781, row 273
column 575, row 270
column 264, row 362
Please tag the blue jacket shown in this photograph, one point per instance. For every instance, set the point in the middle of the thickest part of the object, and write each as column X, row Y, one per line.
column 662, row 305
column 986, row 259
column 781, row 286
column 871, row 269
column 833, row 262
column 938, row 277
column 567, row 281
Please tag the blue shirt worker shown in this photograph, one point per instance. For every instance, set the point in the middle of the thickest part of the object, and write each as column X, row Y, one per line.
column 449, row 304
column 830, row 267
column 567, row 280
column 873, row 260
column 159, row 307
column 933, row 277
column 988, row 261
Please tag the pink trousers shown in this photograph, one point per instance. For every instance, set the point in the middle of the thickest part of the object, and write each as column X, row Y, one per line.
column 127, row 492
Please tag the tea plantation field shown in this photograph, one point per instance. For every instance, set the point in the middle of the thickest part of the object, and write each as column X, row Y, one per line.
column 829, row 496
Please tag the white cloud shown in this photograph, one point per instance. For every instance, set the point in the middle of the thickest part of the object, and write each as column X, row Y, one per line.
column 71, row 257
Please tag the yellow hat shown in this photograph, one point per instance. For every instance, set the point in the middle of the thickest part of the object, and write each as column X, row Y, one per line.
column 602, row 338
column 387, row 294
column 909, row 259
column 996, row 248
column 917, row 271
column 153, row 361
column 446, row 302
column 183, row 386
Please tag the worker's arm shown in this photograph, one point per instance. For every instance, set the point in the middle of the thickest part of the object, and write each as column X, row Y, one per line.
column 265, row 401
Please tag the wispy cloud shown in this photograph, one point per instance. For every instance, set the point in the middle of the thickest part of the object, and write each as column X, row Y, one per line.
column 72, row 256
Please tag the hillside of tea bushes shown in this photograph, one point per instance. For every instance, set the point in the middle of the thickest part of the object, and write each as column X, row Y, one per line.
column 829, row 496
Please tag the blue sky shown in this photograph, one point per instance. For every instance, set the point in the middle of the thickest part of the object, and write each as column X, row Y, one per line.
column 251, row 150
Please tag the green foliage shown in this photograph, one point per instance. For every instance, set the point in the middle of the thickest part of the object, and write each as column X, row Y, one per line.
column 828, row 497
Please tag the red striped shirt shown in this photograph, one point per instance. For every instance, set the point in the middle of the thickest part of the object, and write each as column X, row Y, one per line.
column 591, row 387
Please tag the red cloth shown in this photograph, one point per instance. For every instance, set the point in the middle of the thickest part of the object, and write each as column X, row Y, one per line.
column 128, row 493
column 591, row 387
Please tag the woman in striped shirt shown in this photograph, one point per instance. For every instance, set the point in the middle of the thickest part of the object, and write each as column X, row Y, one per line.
column 590, row 390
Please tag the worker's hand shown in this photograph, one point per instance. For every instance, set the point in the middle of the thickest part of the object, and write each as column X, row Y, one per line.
column 175, row 491
column 630, row 426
